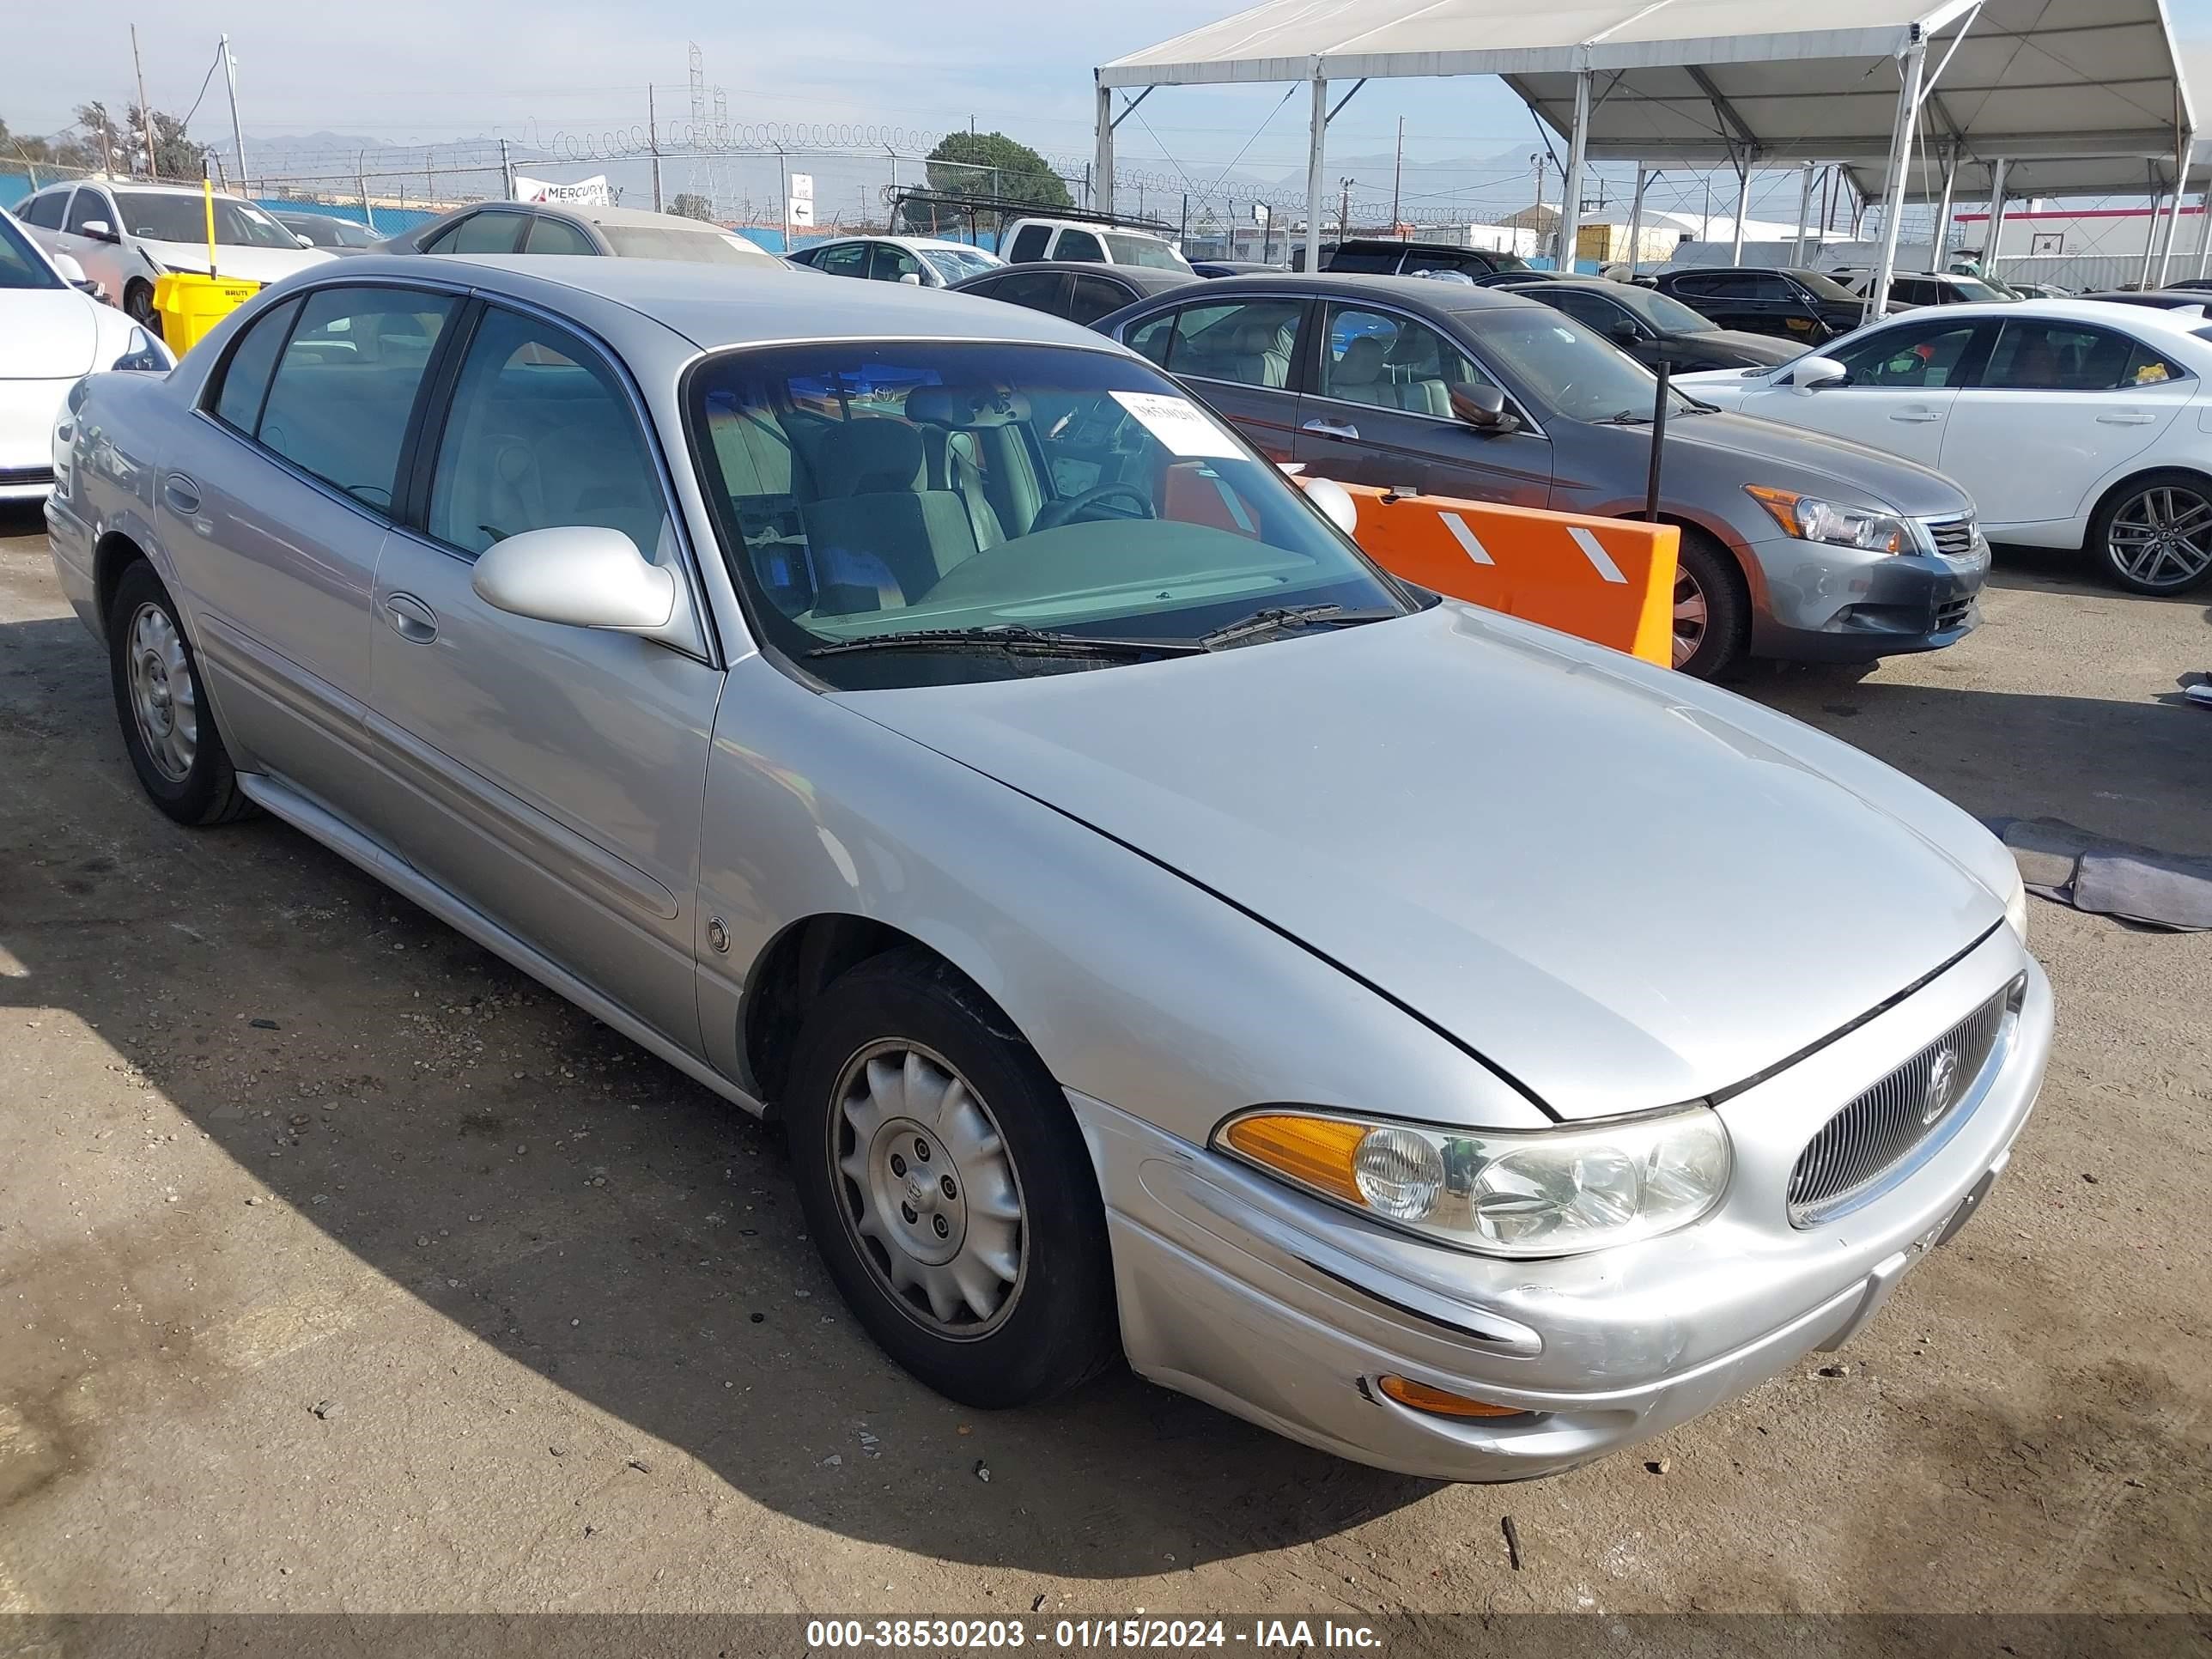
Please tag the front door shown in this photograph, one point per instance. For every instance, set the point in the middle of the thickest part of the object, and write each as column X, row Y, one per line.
column 2061, row 408
column 550, row 776
column 1904, row 383
column 1234, row 355
column 1379, row 411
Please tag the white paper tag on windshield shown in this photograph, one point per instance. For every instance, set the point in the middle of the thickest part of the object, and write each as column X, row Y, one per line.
column 1187, row 431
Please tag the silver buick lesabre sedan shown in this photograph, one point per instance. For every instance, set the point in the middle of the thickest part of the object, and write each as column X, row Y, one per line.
column 1160, row 930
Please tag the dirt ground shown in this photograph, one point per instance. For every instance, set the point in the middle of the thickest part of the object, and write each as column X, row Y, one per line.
column 340, row 1266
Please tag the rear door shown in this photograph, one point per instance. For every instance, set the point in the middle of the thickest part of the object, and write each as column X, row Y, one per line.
column 1093, row 297
column 493, row 230
column 1377, row 410
column 2060, row 409
column 550, row 776
column 1236, row 356
column 843, row 260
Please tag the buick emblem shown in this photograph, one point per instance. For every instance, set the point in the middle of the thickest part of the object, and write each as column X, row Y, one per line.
column 1942, row 1077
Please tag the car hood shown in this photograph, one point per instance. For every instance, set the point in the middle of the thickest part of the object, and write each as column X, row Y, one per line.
column 52, row 334
column 1621, row 888
column 255, row 265
column 1760, row 451
column 1763, row 349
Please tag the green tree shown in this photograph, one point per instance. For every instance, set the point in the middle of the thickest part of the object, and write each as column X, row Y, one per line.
column 175, row 156
column 992, row 164
column 690, row 206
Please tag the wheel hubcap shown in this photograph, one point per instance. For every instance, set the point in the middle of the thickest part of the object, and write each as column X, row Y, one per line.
column 1690, row 615
column 2162, row 538
column 930, row 1194
column 164, row 700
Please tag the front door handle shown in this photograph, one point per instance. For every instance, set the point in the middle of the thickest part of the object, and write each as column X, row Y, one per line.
column 1916, row 417
column 181, row 493
column 410, row 618
column 1332, row 428
column 2126, row 417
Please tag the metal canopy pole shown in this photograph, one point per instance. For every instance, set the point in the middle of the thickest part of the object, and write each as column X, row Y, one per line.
column 1571, row 191
column 1804, row 214
column 1900, row 157
column 1103, row 159
column 1943, row 207
column 2150, row 243
column 1636, row 218
column 1316, row 149
column 2174, row 223
column 2204, row 229
column 1995, row 238
column 1742, row 207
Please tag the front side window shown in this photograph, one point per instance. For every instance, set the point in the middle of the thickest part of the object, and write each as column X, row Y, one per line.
column 1249, row 342
column 160, row 216
column 1079, row 245
column 482, row 232
column 1921, row 356
column 90, row 205
column 1594, row 311
column 541, row 436
column 344, row 388
column 1391, row 361
column 552, row 235
column 2063, row 356
column 1825, row 288
column 892, row 264
column 964, row 485
column 45, row 209
column 20, row 267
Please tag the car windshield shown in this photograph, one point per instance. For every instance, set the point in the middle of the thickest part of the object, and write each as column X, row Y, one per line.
column 159, row 216
column 1563, row 368
column 1825, row 287
column 1667, row 316
column 326, row 232
column 1975, row 288
column 867, row 492
column 1144, row 251
column 954, row 264
column 705, row 247
column 18, row 266
column 1503, row 261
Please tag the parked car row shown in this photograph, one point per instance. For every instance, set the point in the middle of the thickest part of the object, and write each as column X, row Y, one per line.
column 1158, row 930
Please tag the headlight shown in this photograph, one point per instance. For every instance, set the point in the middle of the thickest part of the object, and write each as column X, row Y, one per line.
column 1512, row 1193
column 145, row 353
column 2016, row 906
column 1810, row 518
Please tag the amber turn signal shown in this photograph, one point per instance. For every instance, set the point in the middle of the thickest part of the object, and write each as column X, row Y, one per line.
column 1316, row 1150
column 1440, row 1401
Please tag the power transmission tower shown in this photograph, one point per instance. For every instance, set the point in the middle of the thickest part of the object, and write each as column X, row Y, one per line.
column 698, row 83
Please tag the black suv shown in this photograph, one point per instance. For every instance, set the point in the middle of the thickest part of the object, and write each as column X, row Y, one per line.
column 1381, row 256
column 1804, row 306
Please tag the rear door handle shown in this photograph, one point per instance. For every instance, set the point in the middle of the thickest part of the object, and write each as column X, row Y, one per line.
column 181, row 493
column 410, row 618
column 2126, row 417
column 1332, row 428
column 1916, row 417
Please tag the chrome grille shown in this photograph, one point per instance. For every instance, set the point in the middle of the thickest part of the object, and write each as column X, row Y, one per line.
column 1848, row 1162
column 1953, row 538
column 1953, row 615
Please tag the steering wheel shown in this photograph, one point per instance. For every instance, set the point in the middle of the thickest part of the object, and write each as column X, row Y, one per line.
column 1057, row 513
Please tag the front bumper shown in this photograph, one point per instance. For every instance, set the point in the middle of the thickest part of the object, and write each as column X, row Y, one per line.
column 1285, row 1310
column 1824, row 604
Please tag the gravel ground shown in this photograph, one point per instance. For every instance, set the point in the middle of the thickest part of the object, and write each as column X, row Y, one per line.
column 340, row 1266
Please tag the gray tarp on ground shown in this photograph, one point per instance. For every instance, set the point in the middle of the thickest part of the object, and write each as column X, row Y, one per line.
column 2069, row 865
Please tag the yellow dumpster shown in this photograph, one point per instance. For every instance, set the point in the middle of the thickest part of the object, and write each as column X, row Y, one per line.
column 189, row 304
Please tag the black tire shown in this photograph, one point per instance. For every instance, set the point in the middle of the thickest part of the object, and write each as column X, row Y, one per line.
column 204, row 789
column 139, row 304
column 1708, row 571
column 1056, row 1327
column 2172, row 495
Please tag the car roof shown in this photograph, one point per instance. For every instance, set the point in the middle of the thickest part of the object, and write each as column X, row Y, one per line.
column 713, row 306
column 1151, row 277
column 145, row 187
column 2086, row 309
column 903, row 241
column 1091, row 224
column 1411, row 293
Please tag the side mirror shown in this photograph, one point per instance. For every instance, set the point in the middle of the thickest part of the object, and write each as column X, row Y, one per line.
column 304, row 242
column 1335, row 503
column 1810, row 374
column 99, row 229
column 580, row 576
column 911, row 279
column 1483, row 407
column 72, row 272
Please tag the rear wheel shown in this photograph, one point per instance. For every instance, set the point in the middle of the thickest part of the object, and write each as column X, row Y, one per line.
column 168, row 729
column 947, row 1186
column 2155, row 534
column 1711, row 612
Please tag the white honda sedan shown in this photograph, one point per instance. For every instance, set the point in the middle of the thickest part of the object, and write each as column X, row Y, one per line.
column 2071, row 423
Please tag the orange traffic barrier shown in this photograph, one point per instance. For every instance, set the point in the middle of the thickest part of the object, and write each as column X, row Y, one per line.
column 1610, row 581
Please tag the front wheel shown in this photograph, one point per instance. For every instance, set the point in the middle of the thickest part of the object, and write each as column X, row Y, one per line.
column 139, row 304
column 168, row 728
column 1710, row 609
column 2154, row 535
column 947, row 1186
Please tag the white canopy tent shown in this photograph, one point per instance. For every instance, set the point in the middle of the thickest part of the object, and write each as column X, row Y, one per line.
column 1713, row 83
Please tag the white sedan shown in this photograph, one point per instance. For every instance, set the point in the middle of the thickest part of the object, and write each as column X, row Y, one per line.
column 2071, row 423
column 52, row 335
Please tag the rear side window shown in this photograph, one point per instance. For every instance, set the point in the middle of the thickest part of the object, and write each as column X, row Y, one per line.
column 1079, row 245
column 1030, row 243
column 1248, row 341
column 345, row 384
column 556, row 236
column 245, row 377
column 1040, row 290
column 542, row 435
column 2067, row 357
column 845, row 259
column 1095, row 297
column 1372, row 261
column 46, row 210
column 480, row 232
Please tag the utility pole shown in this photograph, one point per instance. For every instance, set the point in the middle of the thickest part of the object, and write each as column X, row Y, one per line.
column 652, row 127
column 1344, row 210
column 145, row 115
column 506, row 171
column 360, row 178
column 237, row 137
column 1398, row 176
column 1536, row 212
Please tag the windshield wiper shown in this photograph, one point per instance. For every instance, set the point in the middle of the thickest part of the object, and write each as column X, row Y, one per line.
column 1626, row 418
column 1012, row 638
column 1280, row 618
